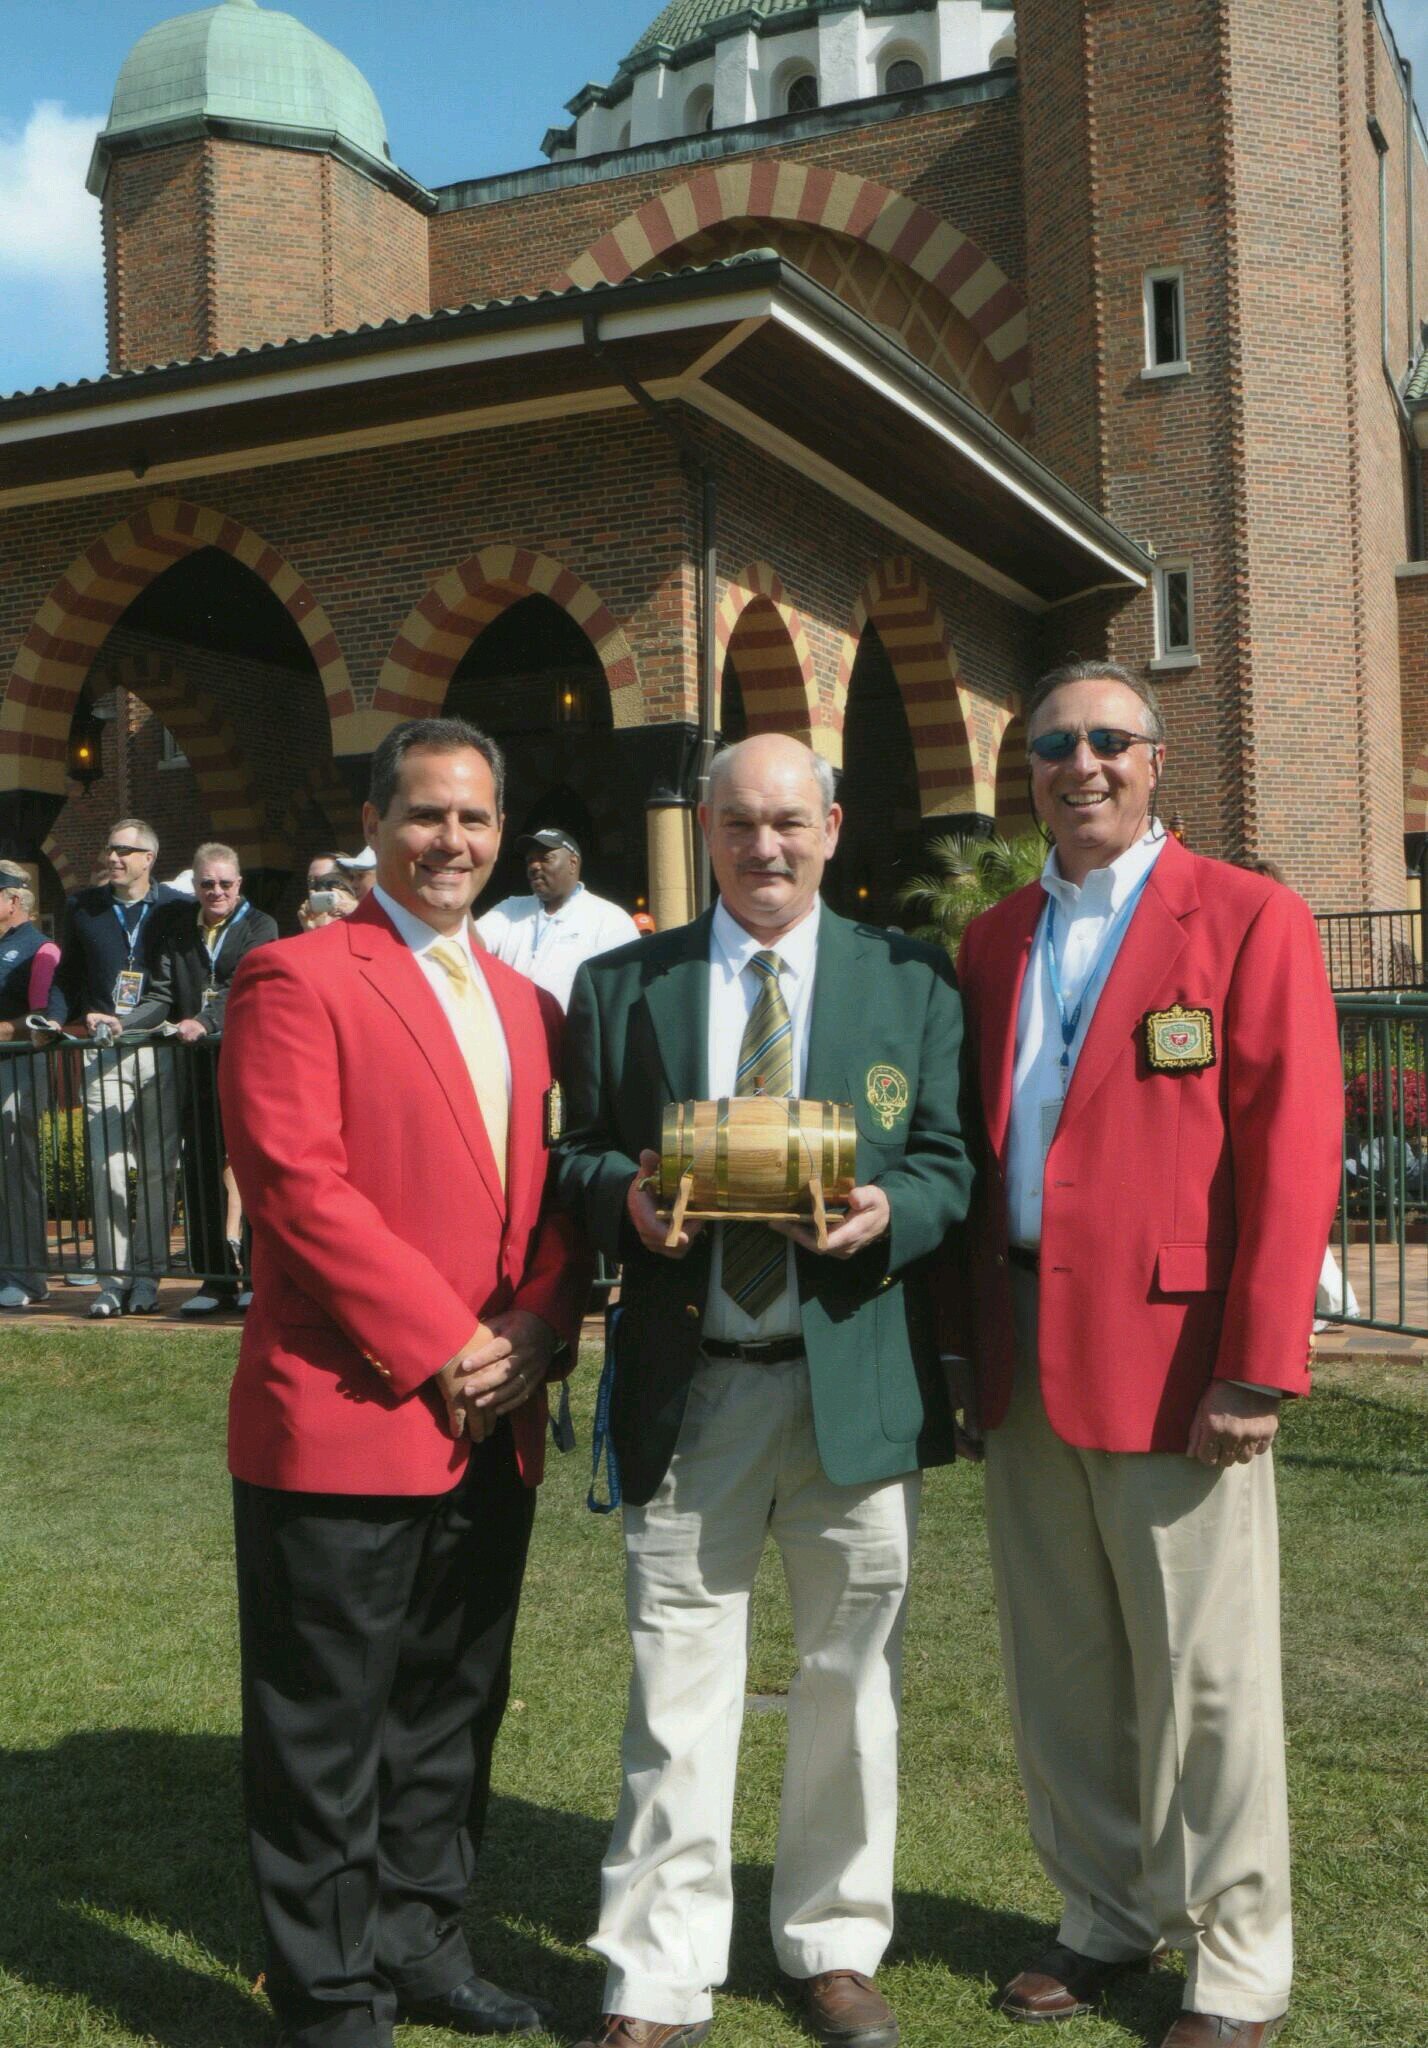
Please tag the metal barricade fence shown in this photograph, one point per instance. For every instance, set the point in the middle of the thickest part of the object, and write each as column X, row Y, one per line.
column 1383, row 1209
column 112, row 1162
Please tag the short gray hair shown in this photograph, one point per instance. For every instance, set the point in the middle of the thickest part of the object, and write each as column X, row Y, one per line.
column 22, row 892
column 1077, row 671
column 818, row 768
column 145, row 834
column 214, row 849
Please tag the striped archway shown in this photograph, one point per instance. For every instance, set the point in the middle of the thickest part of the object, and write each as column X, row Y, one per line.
column 92, row 596
column 757, row 626
column 1013, row 811
column 981, row 300
column 63, row 867
column 898, row 603
column 220, row 767
column 462, row 603
column 1415, row 808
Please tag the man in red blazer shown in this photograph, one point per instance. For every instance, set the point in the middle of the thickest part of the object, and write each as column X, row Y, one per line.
column 386, row 1099
column 1155, row 1046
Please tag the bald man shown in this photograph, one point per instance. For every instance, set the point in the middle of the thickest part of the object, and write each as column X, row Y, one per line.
column 762, row 1388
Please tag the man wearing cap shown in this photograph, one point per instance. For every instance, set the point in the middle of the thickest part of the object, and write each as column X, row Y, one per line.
column 560, row 925
column 359, row 871
column 27, row 967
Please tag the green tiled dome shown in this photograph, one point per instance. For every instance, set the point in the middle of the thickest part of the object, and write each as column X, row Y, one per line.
column 250, row 65
column 686, row 21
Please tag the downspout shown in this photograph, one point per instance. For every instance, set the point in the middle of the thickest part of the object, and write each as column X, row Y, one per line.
column 1414, row 332
column 695, row 463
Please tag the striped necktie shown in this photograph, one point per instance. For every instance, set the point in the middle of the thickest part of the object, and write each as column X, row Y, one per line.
column 756, row 1258
column 480, row 1048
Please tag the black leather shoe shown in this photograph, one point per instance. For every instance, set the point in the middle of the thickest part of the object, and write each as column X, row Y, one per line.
column 477, row 2007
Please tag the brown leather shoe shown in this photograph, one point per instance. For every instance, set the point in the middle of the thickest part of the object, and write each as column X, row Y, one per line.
column 1213, row 2030
column 847, row 2010
column 620, row 2030
column 1061, row 1984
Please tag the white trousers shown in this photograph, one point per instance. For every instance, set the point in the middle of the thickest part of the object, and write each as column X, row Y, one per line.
column 1139, row 1603
column 131, row 1119
column 746, row 1465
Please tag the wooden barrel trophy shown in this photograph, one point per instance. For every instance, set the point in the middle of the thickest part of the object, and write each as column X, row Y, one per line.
column 756, row 1158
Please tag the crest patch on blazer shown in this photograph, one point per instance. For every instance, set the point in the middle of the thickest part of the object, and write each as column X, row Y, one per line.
column 888, row 1093
column 1179, row 1040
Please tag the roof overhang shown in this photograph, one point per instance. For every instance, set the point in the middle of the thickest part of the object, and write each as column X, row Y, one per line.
column 751, row 343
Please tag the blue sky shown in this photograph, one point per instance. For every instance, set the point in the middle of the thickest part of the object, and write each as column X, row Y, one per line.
column 468, row 87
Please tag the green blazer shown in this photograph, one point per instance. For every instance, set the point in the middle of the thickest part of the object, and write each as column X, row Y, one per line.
column 636, row 1038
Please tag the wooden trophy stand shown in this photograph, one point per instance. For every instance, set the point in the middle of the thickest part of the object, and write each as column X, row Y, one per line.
column 681, row 1210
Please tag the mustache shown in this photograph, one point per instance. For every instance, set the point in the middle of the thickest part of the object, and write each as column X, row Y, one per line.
column 755, row 867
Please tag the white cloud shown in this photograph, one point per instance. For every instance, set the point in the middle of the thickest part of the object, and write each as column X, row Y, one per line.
column 49, row 224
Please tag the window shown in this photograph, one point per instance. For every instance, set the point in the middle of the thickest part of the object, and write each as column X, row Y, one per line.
column 1174, row 615
column 622, row 140
column 1165, row 323
column 905, row 75
column 699, row 112
column 802, row 94
column 171, row 754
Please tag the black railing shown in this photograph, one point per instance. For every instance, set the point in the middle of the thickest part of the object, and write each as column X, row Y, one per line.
column 112, row 1162
column 1367, row 951
column 1382, row 1231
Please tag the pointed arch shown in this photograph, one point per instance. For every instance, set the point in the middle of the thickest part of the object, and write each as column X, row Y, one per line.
column 769, row 643
column 92, row 596
column 939, row 711
column 60, row 861
column 990, row 309
column 220, row 767
column 462, row 602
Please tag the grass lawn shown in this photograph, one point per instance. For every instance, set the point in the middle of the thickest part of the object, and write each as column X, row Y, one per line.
column 125, row 1915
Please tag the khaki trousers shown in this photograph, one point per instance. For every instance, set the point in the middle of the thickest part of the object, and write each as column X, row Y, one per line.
column 745, row 1467
column 1139, row 1604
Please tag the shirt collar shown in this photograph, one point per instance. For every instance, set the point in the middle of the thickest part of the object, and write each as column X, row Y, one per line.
column 414, row 930
column 736, row 948
column 541, row 910
column 1104, row 889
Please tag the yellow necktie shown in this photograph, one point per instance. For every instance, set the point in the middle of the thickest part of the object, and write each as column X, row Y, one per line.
column 480, row 1048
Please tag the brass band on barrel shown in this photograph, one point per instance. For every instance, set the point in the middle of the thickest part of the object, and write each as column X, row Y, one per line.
column 756, row 1155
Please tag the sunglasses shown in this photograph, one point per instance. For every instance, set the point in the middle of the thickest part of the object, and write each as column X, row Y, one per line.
column 215, row 884
column 125, row 851
column 1107, row 743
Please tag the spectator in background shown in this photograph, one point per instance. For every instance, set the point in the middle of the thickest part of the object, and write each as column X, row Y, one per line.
column 27, row 966
column 195, row 957
column 560, row 925
column 359, row 870
column 318, row 869
column 329, row 897
column 130, row 1105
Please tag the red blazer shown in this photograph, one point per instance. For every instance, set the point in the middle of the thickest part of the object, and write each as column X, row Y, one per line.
column 380, row 1230
column 1184, row 1214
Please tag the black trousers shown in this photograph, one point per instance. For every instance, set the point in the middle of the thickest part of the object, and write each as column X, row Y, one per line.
column 205, row 1199
column 376, row 1637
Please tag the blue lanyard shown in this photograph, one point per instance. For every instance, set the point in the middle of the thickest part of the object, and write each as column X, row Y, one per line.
column 1105, row 953
column 131, row 938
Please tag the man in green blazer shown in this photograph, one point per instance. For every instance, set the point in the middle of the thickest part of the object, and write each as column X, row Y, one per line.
column 760, row 1387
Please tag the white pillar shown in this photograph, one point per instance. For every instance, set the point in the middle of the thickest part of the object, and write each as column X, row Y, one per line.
column 843, row 71
column 962, row 38
column 735, row 62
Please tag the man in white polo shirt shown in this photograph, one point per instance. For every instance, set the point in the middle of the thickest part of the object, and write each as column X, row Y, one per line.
column 560, row 925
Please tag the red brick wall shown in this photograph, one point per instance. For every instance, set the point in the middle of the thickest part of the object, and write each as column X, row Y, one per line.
column 156, row 264
column 960, row 163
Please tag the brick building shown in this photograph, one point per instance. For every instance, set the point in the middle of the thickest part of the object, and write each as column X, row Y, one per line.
column 843, row 365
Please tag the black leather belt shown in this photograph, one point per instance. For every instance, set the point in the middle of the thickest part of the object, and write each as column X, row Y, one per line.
column 1022, row 1255
column 773, row 1352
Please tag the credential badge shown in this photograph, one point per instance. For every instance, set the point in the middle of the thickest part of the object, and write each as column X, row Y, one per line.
column 888, row 1093
column 554, row 1114
column 1179, row 1041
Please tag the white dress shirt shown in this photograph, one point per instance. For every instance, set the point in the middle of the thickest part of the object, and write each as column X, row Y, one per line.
column 1084, row 917
column 421, row 938
column 551, row 945
column 733, row 991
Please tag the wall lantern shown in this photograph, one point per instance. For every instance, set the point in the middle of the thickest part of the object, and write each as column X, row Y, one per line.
column 570, row 701
column 83, row 757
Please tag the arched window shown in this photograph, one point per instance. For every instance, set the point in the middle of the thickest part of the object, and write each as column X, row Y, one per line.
column 699, row 112
column 801, row 94
column 903, row 75
column 622, row 140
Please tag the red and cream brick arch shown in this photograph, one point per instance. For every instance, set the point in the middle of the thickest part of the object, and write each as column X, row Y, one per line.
column 757, row 626
column 1013, row 812
column 939, row 710
column 462, row 603
column 65, row 873
column 92, row 596
column 910, row 271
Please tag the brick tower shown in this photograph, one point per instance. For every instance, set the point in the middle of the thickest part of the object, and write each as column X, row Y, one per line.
column 1208, row 327
column 248, row 192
